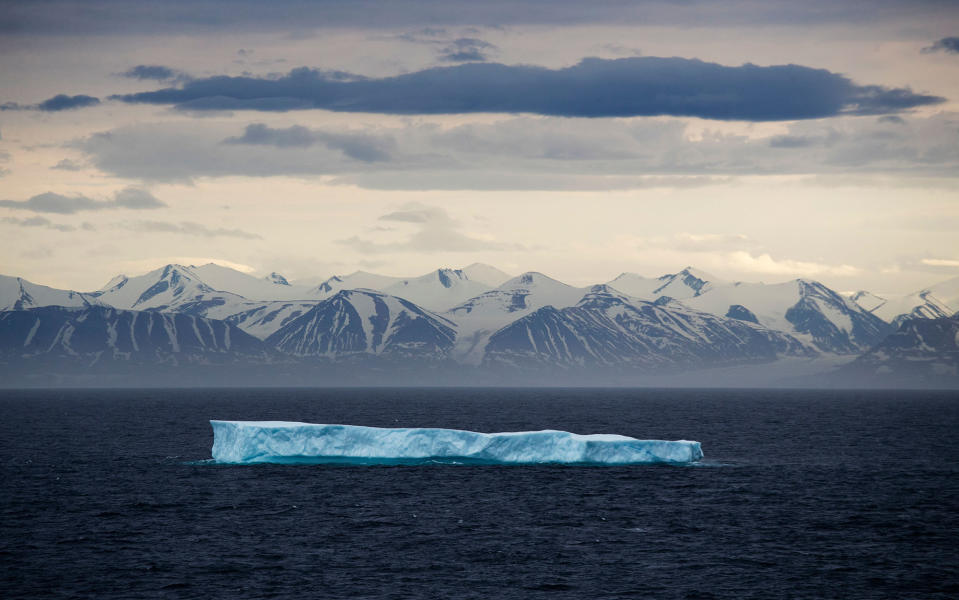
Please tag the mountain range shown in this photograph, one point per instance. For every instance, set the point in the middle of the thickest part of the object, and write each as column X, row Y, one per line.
column 471, row 325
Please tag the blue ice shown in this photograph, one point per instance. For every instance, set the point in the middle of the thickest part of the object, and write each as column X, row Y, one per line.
column 243, row 442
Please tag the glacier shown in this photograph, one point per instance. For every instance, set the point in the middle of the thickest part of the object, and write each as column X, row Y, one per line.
column 282, row 442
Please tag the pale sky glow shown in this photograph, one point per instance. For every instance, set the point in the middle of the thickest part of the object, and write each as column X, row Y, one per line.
column 862, row 194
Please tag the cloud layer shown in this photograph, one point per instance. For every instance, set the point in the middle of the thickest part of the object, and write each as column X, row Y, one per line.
column 529, row 152
column 49, row 202
column 435, row 231
column 637, row 86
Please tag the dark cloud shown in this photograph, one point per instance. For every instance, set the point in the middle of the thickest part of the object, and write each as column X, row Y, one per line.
column 946, row 44
column 123, row 17
column 896, row 120
column 55, row 104
column 790, row 141
column 50, row 202
column 188, row 228
column 64, row 102
column 154, row 73
column 38, row 222
column 467, row 50
column 358, row 146
column 639, row 86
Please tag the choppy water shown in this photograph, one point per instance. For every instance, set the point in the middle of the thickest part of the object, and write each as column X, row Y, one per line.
column 801, row 495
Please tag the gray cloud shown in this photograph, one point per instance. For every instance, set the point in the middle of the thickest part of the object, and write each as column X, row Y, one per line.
column 113, row 17
column 949, row 45
column 38, row 222
column 64, row 102
column 68, row 165
column 435, row 231
column 595, row 87
column 894, row 119
column 135, row 199
column 467, row 50
column 58, row 103
column 154, row 73
column 790, row 141
column 188, row 228
column 538, row 153
column 49, row 202
column 356, row 145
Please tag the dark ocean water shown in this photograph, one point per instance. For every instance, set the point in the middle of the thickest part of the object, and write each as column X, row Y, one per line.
column 802, row 495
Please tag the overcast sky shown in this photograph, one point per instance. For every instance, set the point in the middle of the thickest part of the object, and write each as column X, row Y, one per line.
column 759, row 141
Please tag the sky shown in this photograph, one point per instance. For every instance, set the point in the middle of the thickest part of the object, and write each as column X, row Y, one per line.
column 758, row 141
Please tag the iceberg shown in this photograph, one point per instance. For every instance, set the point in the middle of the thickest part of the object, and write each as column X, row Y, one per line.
column 247, row 442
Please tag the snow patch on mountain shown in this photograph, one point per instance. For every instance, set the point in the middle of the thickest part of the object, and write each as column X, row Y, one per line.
column 366, row 322
column 438, row 290
column 480, row 317
column 688, row 283
column 609, row 329
column 486, row 274
column 17, row 293
column 934, row 302
column 806, row 309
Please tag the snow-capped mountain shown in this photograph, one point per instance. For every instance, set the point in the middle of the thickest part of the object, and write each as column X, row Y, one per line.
column 179, row 289
column 173, row 288
column 19, row 294
column 364, row 322
column 97, row 334
column 272, row 287
column 805, row 309
column 439, row 290
column 208, row 279
column 688, row 283
column 353, row 281
column 277, row 279
column 688, row 319
column 486, row 274
column 921, row 352
column 609, row 329
column 934, row 302
column 260, row 319
column 479, row 317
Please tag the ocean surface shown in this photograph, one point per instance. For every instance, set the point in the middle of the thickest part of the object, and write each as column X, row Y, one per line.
column 103, row 494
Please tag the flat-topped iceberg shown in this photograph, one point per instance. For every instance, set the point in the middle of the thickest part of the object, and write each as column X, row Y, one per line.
column 243, row 442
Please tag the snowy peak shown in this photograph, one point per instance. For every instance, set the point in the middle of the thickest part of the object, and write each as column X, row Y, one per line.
column 637, row 285
column 365, row 322
column 935, row 302
column 867, row 300
column 17, row 293
column 605, row 296
column 534, row 280
column 486, row 274
column 276, row 279
column 173, row 287
column 438, row 290
column 117, row 281
column 353, row 281
column 804, row 308
column 609, row 330
column 232, row 281
column 687, row 283
column 447, row 277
